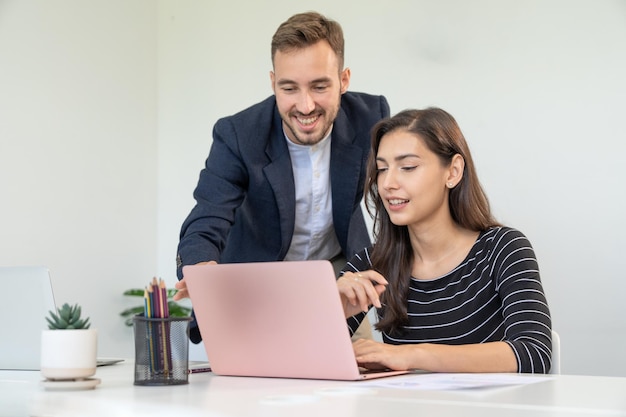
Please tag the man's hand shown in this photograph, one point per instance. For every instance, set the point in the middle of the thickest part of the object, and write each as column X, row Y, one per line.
column 181, row 285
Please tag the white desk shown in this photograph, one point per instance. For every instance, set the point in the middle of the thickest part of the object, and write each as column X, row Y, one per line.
column 208, row 395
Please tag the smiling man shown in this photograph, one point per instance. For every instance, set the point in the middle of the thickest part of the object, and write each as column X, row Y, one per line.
column 308, row 86
column 284, row 178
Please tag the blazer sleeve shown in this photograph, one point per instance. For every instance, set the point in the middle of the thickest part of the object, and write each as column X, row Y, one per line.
column 219, row 192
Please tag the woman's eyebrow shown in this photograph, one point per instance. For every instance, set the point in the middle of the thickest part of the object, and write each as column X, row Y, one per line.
column 399, row 157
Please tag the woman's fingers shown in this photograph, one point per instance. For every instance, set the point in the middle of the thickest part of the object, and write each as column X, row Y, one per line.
column 373, row 284
column 362, row 289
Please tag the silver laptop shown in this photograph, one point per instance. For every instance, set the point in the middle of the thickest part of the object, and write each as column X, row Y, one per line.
column 27, row 299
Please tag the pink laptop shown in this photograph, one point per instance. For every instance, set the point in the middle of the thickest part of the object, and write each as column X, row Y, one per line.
column 274, row 319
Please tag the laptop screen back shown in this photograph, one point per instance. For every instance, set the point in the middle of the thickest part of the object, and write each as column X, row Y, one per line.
column 24, row 310
column 273, row 319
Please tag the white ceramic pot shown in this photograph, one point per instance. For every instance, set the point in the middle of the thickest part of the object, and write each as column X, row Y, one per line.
column 68, row 354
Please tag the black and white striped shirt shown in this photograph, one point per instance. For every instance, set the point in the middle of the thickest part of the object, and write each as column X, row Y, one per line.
column 495, row 294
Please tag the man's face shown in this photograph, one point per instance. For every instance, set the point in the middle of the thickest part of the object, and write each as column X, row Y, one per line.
column 308, row 85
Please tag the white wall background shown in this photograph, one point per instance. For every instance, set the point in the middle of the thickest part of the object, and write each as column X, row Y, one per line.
column 78, row 151
column 106, row 111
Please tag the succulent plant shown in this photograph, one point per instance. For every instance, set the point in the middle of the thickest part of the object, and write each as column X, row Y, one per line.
column 67, row 317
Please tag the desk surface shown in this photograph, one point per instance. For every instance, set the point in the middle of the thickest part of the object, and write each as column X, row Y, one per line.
column 21, row 394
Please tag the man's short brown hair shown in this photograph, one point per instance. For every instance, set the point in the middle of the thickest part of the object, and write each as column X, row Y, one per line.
column 305, row 29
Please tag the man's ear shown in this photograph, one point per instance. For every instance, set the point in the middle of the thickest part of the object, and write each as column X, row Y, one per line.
column 344, row 78
column 272, row 80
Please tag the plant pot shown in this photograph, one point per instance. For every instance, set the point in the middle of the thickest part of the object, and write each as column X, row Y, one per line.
column 68, row 354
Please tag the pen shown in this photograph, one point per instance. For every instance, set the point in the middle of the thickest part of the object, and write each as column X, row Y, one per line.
column 199, row 370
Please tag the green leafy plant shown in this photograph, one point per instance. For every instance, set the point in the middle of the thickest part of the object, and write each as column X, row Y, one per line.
column 175, row 309
column 67, row 317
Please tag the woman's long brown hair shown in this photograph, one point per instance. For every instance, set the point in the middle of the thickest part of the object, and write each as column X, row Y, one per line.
column 392, row 254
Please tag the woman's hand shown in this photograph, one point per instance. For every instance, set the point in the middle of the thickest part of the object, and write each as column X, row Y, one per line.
column 376, row 355
column 475, row 357
column 181, row 285
column 360, row 290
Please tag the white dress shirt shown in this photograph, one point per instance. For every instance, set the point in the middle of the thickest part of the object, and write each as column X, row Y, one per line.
column 314, row 234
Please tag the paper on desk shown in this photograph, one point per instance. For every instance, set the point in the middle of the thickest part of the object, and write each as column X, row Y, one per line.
column 456, row 381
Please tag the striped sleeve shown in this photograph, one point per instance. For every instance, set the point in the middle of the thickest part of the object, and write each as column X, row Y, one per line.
column 527, row 322
column 359, row 262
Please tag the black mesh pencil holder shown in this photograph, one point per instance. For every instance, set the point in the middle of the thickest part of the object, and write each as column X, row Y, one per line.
column 161, row 350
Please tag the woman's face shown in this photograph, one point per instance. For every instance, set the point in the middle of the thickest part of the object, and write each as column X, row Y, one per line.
column 411, row 179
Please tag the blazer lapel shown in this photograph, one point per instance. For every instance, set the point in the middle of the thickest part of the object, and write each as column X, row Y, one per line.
column 279, row 174
column 345, row 169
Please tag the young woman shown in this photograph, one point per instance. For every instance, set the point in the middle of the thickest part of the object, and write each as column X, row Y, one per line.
column 454, row 290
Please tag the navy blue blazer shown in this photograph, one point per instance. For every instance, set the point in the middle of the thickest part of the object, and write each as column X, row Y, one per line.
column 245, row 197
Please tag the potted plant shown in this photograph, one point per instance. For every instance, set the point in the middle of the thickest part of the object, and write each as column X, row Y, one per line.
column 69, row 346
